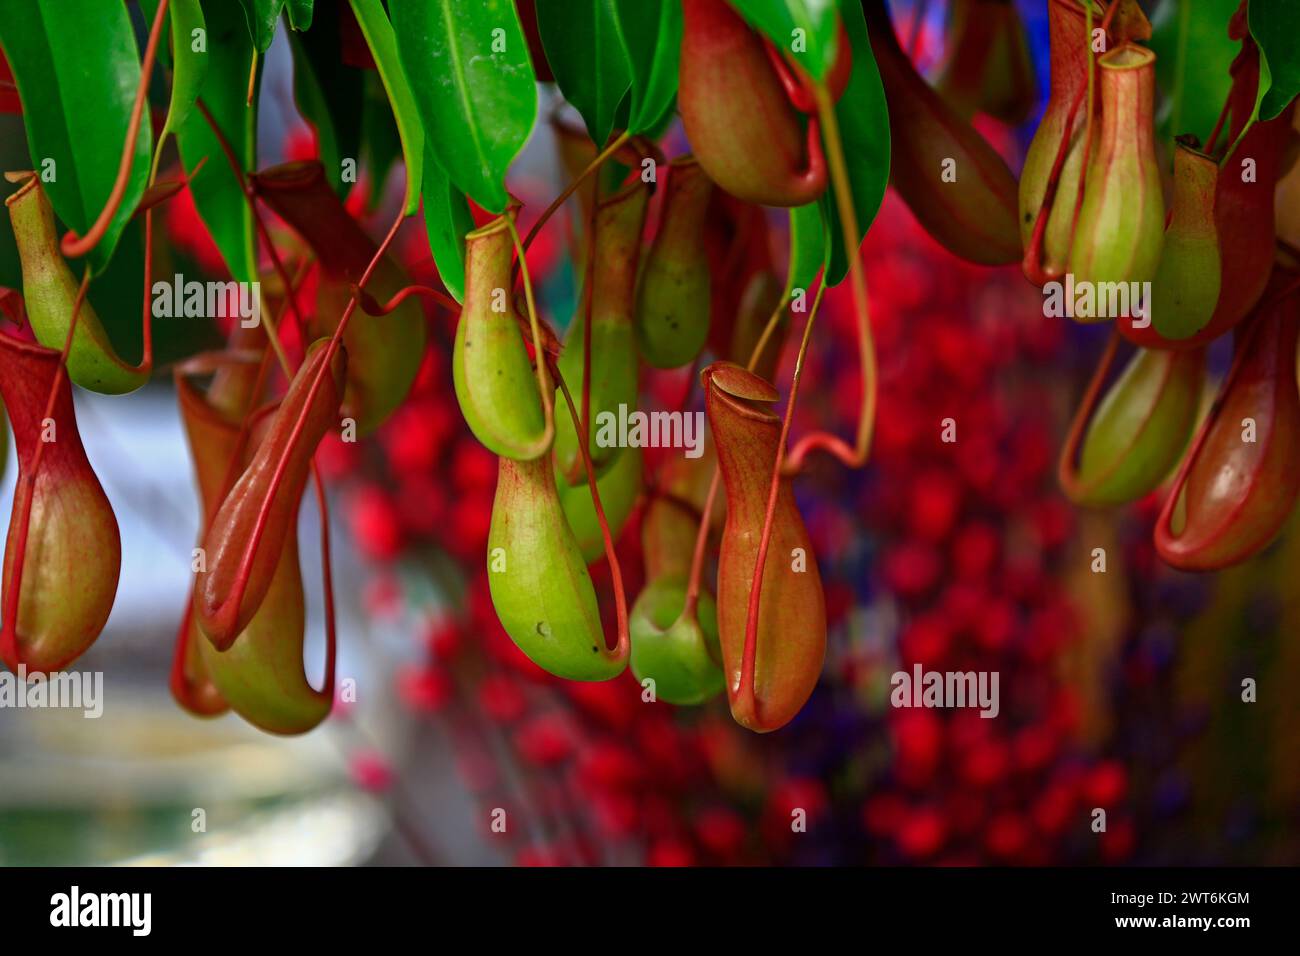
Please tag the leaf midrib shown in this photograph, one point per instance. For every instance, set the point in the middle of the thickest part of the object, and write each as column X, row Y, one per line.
column 462, row 87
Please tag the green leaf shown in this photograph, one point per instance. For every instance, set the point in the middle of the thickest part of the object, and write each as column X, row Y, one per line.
column 473, row 82
column 378, row 32
column 217, row 194
column 803, row 29
column 863, row 119
column 1275, row 25
column 77, row 69
column 117, row 292
column 263, row 15
column 615, row 61
column 300, row 14
column 329, row 95
column 188, row 67
column 653, row 29
column 1193, row 53
column 447, row 219
column 587, row 49
column 808, row 247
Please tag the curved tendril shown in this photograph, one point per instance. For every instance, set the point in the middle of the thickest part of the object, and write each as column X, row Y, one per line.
column 252, row 79
column 1237, row 142
column 13, row 592
column 856, row 456
column 1218, row 124
column 697, row 556
column 746, row 684
column 371, row 306
column 278, row 264
column 263, row 233
column 583, row 431
column 1066, row 469
column 601, row 158
column 273, row 326
column 543, row 378
column 615, row 569
column 75, row 246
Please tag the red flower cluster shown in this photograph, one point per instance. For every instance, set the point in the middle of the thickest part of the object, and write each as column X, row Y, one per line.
column 974, row 537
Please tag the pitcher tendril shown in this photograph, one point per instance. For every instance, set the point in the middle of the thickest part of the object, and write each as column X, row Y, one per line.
column 72, row 245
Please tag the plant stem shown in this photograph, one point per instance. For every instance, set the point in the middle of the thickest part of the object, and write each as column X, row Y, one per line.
column 1237, row 142
column 618, row 143
column 72, row 245
column 615, row 569
column 856, row 456
column 233, row 161
column 544, row 386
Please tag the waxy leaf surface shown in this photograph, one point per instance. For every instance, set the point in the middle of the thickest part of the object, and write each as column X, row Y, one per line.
column 77, row 68
column 469, row 71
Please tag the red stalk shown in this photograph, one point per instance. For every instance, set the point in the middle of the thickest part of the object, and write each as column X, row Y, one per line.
column 856, row 456
column 73, row 246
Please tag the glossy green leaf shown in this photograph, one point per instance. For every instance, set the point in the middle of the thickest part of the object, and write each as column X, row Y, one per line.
column 447, row 219
column 1275, row 25
column 807, row 245
column 329, row 95
column 863, row 119
column 300, row 14
column 588, row 51
column 262, row 16
column 77, row 69
column 468, row 65
column 189, row 67
column 804, row 29
column 217, row 194
column 378, row 32
column 615, row 60
column 1193, row 53
column 654, row 32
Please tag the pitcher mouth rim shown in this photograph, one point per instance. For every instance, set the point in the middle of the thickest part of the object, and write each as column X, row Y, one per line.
column 1134, row 55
